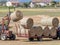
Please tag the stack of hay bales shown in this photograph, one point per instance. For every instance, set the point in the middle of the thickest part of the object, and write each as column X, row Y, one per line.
column 25, row 25
column 55, row 24
column 51, row 21
column 16, row 16
column 36, row 30
column 21, row 24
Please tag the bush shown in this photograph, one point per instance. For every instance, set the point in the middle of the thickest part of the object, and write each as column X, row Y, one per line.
column 26, row 5
column 54, row 3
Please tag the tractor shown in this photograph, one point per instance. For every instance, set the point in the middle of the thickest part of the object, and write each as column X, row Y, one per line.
column 4, row 29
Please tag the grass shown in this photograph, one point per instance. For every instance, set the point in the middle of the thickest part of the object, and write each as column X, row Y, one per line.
column 35, row 11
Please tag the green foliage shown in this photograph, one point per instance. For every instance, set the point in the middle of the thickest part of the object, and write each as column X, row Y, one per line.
column 26, row 4
column 37, row 6
column 54, row 3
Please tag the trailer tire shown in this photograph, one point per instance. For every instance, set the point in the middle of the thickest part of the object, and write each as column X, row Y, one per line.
column 31, row 39
column 38, row 39
column 55, row 38
column 13, row 37
column 59, row 37
column 58, row 34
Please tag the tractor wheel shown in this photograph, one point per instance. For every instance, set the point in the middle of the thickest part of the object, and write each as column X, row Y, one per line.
column 31, row 39
column 13, row 37
column 3, row 37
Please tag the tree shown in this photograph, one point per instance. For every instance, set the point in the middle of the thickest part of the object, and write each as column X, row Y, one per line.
column 26, row 4
column 2, row 2
column 54, row 3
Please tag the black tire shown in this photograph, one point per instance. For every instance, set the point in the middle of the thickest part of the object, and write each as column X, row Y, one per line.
column 38, row 39
column 13, row 37
column 3, row 37
column 58, row 34
column 55, row 38
column 59, row 37
column 31, row 39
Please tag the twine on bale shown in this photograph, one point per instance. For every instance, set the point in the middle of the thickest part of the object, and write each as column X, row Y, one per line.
column 27, row 23
column 16, row 16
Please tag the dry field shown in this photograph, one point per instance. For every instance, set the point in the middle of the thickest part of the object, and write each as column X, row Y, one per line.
column 24, row 41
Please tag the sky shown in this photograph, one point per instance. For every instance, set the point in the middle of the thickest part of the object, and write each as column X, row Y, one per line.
column 24, row 0
column 57, row 0
column 30, row 0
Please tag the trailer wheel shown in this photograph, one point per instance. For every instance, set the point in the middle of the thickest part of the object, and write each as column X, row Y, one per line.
column 59, row 37
column 31, row 39
column 13, row 37
column 38, row 39
column 3, row 37
column 55, row 38
column 58, row 34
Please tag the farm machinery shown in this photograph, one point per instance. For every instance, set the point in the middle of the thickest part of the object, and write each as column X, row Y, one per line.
column 4, row 29
column 5, row 33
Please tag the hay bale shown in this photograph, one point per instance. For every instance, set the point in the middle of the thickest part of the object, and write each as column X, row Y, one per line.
column 55, row 22
column 36, row 30
column 16, row 16
column 27, row 22
column 46, row 31
column 22, row 31
column 53, row 31
column 50, row 21
column 32, row 32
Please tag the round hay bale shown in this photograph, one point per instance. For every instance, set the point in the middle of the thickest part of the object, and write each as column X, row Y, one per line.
column 32, row 32
column 16, row 16
column 55, row 22
column 27, row 22
column 46, row 31
column 36, row 30
column 53, row 31
column 50, row 21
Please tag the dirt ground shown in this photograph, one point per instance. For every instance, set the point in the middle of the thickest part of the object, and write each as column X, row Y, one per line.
column 25, row 41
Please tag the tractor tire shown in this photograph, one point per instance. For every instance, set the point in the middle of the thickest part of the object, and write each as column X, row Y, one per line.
column 31, row 39
column 13, row 37
column 3, row 37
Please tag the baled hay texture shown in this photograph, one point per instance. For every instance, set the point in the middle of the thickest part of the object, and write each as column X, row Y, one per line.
column 16, row 16
column 51, row 21
column 55, row 22
column 53, row 31
column 36, row 30
column 27, row 22
column 46, row 31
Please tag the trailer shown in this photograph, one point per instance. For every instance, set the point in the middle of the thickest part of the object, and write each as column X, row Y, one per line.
column 37, row 32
